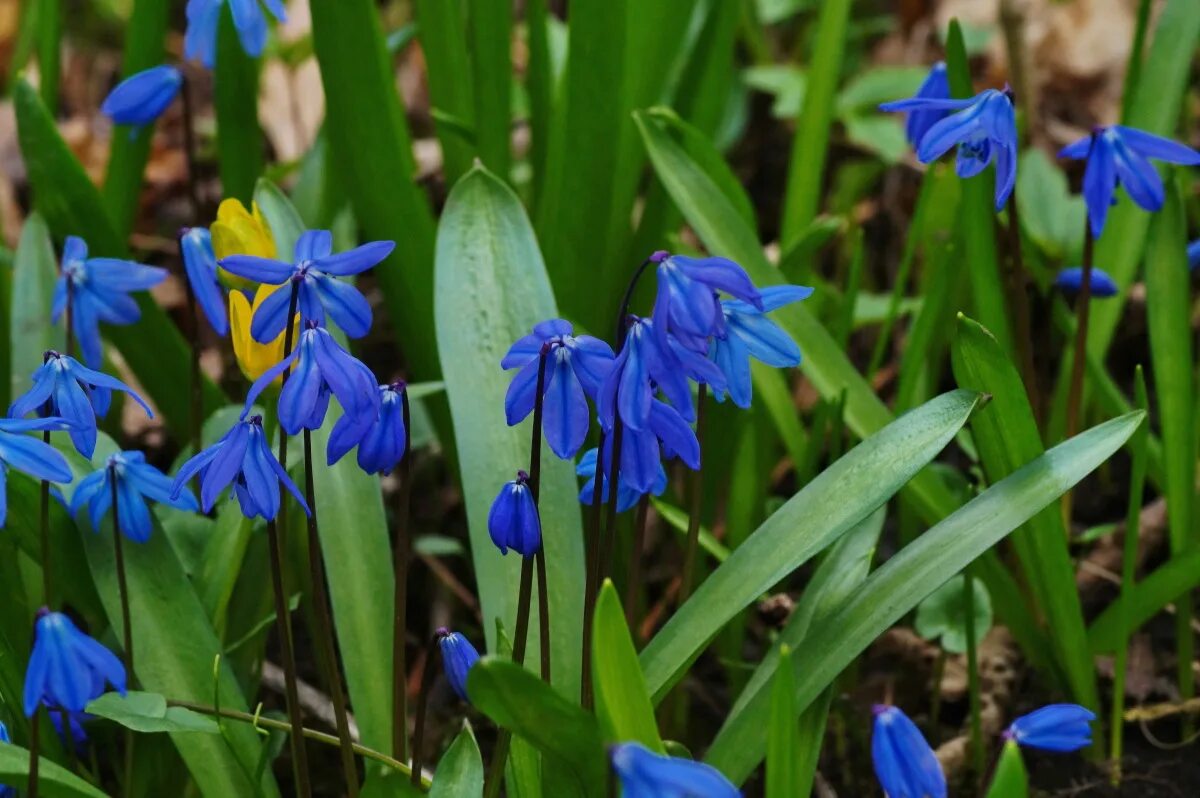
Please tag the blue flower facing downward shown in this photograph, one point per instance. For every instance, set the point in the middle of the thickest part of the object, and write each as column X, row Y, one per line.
column 936, row 86
column 904, row 763
column 513, row 521
column 74, row 392
column 315, row 271
column 67, row 668
column 746, row 333
column 1055, row 727
column 1070, row 280
column 140, row 99
column 640, row 367
column 29, row 455
column 200, row 263
column 380, row 443
column 137, row 482
column 241, row 458
column 645, row 774
column 204, row 16
column 99, row 289
column 984, row 128
column 685, row 304
column 576, row 366
column 458, row 657
column 627, row 496
column 1120, row 156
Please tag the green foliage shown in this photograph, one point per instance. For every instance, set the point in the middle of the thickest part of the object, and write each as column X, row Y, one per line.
column 34, row 271
column 54, row 780
column 148, row 713
column 1011, row 780
column 460, row 773
column 235, row 87
column 622, row 702
column 943, row 615
column 783, row 778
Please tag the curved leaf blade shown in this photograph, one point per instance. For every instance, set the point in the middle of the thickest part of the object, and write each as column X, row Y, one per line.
column 622, row 702
column 53, row 780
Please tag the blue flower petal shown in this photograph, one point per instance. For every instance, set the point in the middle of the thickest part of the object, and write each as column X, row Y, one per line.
column 141, row 98
column 356, row 260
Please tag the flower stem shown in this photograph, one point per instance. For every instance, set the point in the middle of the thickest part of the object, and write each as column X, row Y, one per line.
column 69, row 344
column 189, row 147
column 1083, row 308
column 316, row 569
column 400, row 603
column 35, row 743
column 126, row 622
column 635, row 563
column 592, row 579
column 1019, row 304
column 432, row 654
column 697, row 494
column 974, row 698
column 535, row 483
column 283, row 624
column 610, row 515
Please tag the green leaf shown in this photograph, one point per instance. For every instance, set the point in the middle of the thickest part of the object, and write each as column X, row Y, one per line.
column 1050, row 214
column 882, row 135
column 622, row 702
column 443, row 33
column 519, row 701
column 281, row 215
column 943, row 615
column 148, row 713
column 235, row 100
column 492, row 289
column 782, row 763
column 841, row 496
column 1011, row 780
column 490, row 26
column 34, row 271
column 53, row 780
column 785, row 82
column 1150, row 595
column 460, row 773
column 879, row 85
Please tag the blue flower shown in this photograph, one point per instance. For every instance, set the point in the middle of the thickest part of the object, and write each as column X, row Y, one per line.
column 1117, row 156
column 685, row 304
column 78, row 735
column 241, row 457
column 5, row 790
column 321, row 367
column 200, row 262
column 576, row 367
column 1055, row 727
column 314, row 272
column 984, row 128
column 645, row 774
column 936, row 86
column 204, row 16
column 76, row 393
column 904, row 763
column 458, row 657
column 137, row 481
column 381, row 443
column 513, row 521
column 1193, row 255
column 29, row 455
column 141, row 98
column 67, row 668
column 99, row 291
column 627, row 496
column 640, row 367
column 1070, row 280
column 748, row 332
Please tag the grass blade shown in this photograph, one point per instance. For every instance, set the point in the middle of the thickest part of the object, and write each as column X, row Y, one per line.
column 491, row 42
column 35, row 268
column 443, row 34
column 53, row 780
column 782, row 765
column 460, row 773
column 235, row 99
column 622, row 703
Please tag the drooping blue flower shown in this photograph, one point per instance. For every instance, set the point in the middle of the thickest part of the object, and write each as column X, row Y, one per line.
column 137, row 481
column 458, row 657
column 200, row 262
column 67, row 668
column 904, row 763
column 576, row 367
column 75, row 734
column 29, row 455
column 99, row 291
column 627, row 497
column 645, row 774
column 204, row 16
column 315, row 271
column 1120, row 156
column 685, row 304
column 1070, row 280
column 243, row 458
column 1055, row 727
column 746, row 333
column 936, row 86
column 320, row 367
column 74, row 392
column 984, row 128
column 513, row 521
column 640, row 367
column 5, row 790
column 381, row 443
column 141, row 98
column 1193, row 255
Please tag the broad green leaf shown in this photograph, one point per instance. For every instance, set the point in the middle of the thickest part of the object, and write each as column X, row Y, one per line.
column 53, row 780
column 35, row 269
column 882, row 135
column 879, row 85
column 443, row 33
column 1011, row 780
column 460, row 772
column 782, row 763
column 1050, row 214
column 841, row 496
column 235, row 99
column 698, row 145
column 519, row 701
column 622, row 704
column 490, row 26
column 492, row 289
column 942, row 615
column 281, row 215
column 374, row 162
column 148, row 713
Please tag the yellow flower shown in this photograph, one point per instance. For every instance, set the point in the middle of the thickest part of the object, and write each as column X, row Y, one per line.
column 254, row 358
column 240, row 232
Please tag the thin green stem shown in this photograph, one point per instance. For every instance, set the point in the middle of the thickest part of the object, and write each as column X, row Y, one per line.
column 431, row 661
column 976, row 704
column 400, row 605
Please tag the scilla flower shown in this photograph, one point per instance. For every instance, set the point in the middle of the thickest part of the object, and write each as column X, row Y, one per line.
column 1193, row 255
column 70, row 388
column 984, row 128
column 627, row 496
column 5, row 790
column 137, row 481
column 1070, row 280
column 686, row 302
column 29, row 455
column 74, row 734
column 381, row 443
column 203, row 19
column 904, row 763
column 314, row 274
column 319, row 367
column 99, row 291
column 936, row 86
column 513, row 521
column 747, row 332
column 458, row 657
column 641, row 366
column 67, row 668
column 200, row 263
column 141, row 98
column 575, row 369
column 645, row 774
column 243, row 458
column 1055, row 727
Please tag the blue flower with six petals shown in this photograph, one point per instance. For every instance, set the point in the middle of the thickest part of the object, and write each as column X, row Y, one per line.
column 381, row 443
column 141, row 98
column 67, row 668
column 747, row 332
column 1055, row 727
column 204, row 17
column 685, row 304
column 513, row 521
column 645, row 774
column 640, row 367
column 29, row 455
column 200, row 263
column 1193, row 255
column 458, row 657
column 904, row 763
column 137, row 481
